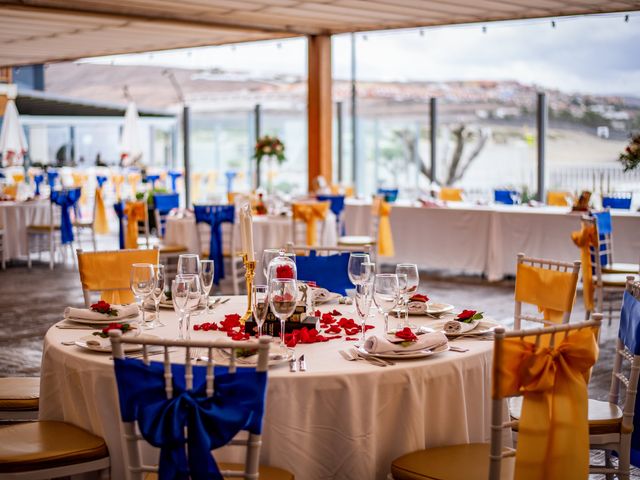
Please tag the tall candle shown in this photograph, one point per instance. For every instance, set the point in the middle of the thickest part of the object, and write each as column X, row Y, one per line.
column 242, row 235
column 250, row 252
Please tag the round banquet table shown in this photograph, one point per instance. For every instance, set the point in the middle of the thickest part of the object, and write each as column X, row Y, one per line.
column 15, row 217
column 337, row 420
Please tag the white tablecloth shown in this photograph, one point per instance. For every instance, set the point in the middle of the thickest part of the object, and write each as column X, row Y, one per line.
column 15, row 217
column 485, row 240
column 339, row 420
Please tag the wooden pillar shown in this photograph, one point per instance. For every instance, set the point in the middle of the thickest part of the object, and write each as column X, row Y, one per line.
column 319, row 108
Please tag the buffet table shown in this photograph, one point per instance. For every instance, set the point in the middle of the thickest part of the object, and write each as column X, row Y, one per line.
column 475, row 239
column 15, row 217
column 338, row 420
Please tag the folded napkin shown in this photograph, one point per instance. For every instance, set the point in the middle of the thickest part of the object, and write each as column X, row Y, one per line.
column 417, row 307
column 98, row 342
column 322, row 295
column 124, row 311
column 458, row 327
column 429, row 341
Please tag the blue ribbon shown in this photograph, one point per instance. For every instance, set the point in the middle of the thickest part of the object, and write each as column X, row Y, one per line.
column 66, row 199
column 622, row 202
column 390, row 194
column 230, row 177
column 153, row 179
column 237, row 404
column 215, row 215
column 119, row 209
column 51, row 177
column 101, row 179
column 505, row 197
column 38, row 179
column 336, row 206
column 164, row 203
column 174, row 178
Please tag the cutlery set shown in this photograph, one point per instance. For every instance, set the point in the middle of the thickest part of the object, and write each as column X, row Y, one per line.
column 297, row 365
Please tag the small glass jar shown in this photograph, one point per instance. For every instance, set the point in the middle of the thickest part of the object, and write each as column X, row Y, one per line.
column 283, row 266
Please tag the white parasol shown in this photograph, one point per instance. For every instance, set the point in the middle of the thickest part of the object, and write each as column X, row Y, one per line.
column 13, row 143
column 130, row 148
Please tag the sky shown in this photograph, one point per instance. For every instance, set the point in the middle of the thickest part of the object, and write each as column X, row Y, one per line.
column 593, row 54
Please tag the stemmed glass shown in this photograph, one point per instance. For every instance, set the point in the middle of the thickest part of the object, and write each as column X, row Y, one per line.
column 206, row 281
column 364, row 294
column 188, row 264
column 259, row 305
column 408, row 286
column 386, row 292
column 354, row 268
column 142, row 283
column 156, row 295
column 283, row 294
column 187, row 287
column 179, row 297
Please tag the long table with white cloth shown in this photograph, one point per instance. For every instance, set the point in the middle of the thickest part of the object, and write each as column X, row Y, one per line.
column 337, row 420
column 475, row 239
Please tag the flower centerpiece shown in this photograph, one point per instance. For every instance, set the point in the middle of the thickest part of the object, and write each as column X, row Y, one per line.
column 630, row 158
column 270, row 147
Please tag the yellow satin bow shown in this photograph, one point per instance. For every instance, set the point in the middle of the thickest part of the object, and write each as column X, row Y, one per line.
column 451, row 194
column 134, row 179
column 100, row 222
column 10, row 191
column 553, row 292
column 134, row 211
column 586, row 240
column 559, row 199
column 310, row 213
column 18, row 177
column 553, row 438
column 385, row 236
column 79, row 180
column 117, row 180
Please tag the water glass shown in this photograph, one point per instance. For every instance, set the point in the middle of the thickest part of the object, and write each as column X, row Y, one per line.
column 206, row 281
column 407, row 288
column 283, row 294
column 363, row 305
column 142, row 283
column 188, row 264
column 354, row 268
column 192, row 294
column 179, row 297
column 386, row 293
column 156, row 295
column 259, row 305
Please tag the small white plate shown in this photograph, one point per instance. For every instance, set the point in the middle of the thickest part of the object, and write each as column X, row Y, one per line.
column 407, row 355
column 126, row 347
column 434, row 308
column 486, row 325
column 129, row 319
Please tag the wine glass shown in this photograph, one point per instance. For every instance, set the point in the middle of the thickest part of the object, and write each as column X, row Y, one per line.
column 268, row 255
column 179, row 297
column 142, row 283
column 386, row 292
column 354, row 267
column 156, row 295
column 410, row 270
column 206, row 281
column 259, row 305
column 363, row 296
column 283, row 294
column 188, row 264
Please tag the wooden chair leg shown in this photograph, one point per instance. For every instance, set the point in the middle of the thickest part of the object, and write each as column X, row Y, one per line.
column 28, row 251
column 52, row 251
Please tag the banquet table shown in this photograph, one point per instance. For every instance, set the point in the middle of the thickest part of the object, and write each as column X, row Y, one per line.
column 338, row 420
column 16, row 217
column 485, row 239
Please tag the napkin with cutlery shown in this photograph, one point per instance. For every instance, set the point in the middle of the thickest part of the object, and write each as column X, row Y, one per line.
column 123, row 311
column 428, row 341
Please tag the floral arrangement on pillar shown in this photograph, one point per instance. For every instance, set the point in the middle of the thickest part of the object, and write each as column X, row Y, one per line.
column 270, row 147
column 630, row 158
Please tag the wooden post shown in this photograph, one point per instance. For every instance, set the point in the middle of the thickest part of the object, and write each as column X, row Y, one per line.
column 319, row 111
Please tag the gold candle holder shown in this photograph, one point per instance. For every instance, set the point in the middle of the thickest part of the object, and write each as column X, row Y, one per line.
column 250, row 271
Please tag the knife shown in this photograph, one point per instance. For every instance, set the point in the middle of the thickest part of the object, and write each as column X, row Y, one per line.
column 303, row 363
column 293, row 365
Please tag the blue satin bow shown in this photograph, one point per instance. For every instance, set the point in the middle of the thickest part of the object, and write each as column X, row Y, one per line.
column 215, row 215
column 66, row 199
column 101, row 179
column 153, row 179
column 174, row 178
column 237, row 404
column 230, row 176
column 119, row 209
column 51, row 178
column 38, row 179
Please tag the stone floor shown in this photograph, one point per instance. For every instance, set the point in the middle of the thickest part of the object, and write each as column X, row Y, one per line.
column 33, row 300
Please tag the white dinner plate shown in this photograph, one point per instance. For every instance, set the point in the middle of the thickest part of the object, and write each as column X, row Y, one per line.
column 407, row 355
column 107, row 321
column 486, row 325
column 126, row 347
column 434, row 308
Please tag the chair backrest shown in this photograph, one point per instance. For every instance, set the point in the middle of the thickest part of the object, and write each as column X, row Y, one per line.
column 549, row 285
column 163, row 203
column 620, row 200
column 141, row 382
column 507, row 379
column 604, row 236
column 109, row 272
column 603, row 245
column 449, row 194
column 506, row 197
column 305, row 217
column 559, row 198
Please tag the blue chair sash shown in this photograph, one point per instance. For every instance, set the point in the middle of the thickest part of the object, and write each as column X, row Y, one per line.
column 230, row 177
column 119, row 209
column 336, row 206
column 101, row 179
column 164, row 203
column 174, row 178
column 237, row 404
column 38, row 179
column 51, row 178
column 153, row 179
column 623, row 203
column 66, row 199
column 390, row 194
column 215, row 215
column 328, row 271
column 504, row 196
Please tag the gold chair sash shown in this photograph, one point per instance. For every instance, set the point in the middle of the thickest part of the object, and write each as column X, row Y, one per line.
column 385, row 236
column 79, row 179
column 196, row 186
column 100, row 223
column 133, row 179
column 451, row 194
column 18, row 177
column 553, row 292
column 110, row 272
column 117, row 180
column 553, row 438
column 134, row 211
column 585, row 239
column 310, row 213
column 10, row 191
column 558, row 199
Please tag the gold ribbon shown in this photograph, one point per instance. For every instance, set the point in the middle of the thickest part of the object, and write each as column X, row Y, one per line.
column 133, row 179
column 586, row 240
column 558, row 199
column 311, row 213
column 553, row 437
column 553, row 292
column 18, row 177
column 10, row 191
column 110, row 272
column 385, row 236
column 100, row 223
column 117, row 180
column 451, row 194
column 134, row 211
column 79, row 179
column 196, row 180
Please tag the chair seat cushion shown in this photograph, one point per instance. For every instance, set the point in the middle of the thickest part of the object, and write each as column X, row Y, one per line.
column 617, row 267
column 172, row 248
column 604, row 417
column 615, row 279
column 37, row 445
column 356, row 240
column 266, row 473
column 457, row 462
column 19, row 393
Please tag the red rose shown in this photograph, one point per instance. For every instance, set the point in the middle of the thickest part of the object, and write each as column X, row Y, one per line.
column 407, row 335
column 419, row 298
column 101, row 307
column 466, row 314
column 284, row 271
